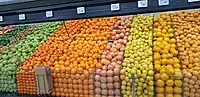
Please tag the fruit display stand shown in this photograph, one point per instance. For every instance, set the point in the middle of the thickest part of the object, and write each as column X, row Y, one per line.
column 140, row 55
column 7, row 37
column 107, row 78
column 6, row 29
column 167, row 65
column 12, row 58
column 20, row 36
column 188, row 46
column 138, row 59
column 114, row 71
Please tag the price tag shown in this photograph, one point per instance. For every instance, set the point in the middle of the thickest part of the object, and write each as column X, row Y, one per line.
column 163, row 2
column 142, row 3
column 193, row 0
column 115, row 7
column 80, row 10
column 49, row 14
column 22, row 17
column 1, row 18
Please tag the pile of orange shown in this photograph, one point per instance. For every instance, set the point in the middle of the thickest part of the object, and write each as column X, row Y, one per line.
column 72, row 85
column 26, row 83
column 73, row 52
column 75, row 47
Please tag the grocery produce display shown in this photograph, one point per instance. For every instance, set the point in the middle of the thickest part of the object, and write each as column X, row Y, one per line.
column 7, row 37
column 20, row 36
column 107, row 77
column 154, row 55
column 26, row 83
column 6, row 29
column 73, row 50
column 137, row 64
column 167, row 65
column 187, row 31
column 13, row 57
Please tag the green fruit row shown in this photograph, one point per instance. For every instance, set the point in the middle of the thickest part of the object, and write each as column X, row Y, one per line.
column 13, row 57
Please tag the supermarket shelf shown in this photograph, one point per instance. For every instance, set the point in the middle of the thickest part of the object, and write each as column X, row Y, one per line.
column 93, row 8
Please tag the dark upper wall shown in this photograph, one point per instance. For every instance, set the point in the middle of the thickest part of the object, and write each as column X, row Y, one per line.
column 23, row 4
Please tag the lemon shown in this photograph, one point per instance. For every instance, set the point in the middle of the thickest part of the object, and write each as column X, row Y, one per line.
column 157, row 76
column 164, row 77
column 157, row 62
column 160, row 83
column 170, row 83
column 177, row 65
column 123, row 83
column 170, row 30
column 168, row 89
column 177, row 95
column 178, row 83
column 151, row 83
column 157, row 67
column 169, row 95
column 171, row 61
column 160, row 90
column 171, row 35
column 166, row 39
column 170, row 55
column 156, row 49
column 164, row 61
column 178, row 75
column 177, row 90
column 161, row 46
column 162, row 70
column 170, row 71
column 158, row 34
column 172, row 41
column 123, row 87
column 157, row 56
column 138, row 93
column 128, row 88
column 160, row 95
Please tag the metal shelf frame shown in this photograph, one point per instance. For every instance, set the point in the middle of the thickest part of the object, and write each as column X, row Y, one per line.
column 35, row 11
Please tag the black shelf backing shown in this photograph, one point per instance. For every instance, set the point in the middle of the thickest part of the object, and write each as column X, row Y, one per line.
column 94, row 8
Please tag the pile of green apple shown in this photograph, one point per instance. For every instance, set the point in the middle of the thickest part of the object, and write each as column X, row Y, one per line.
column 7, row 37
column 13, row 57
column 137, row 65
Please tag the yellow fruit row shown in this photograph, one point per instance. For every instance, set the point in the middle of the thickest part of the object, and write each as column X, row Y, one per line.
column 138, row 59
column 167, row 66
column 187, row 28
